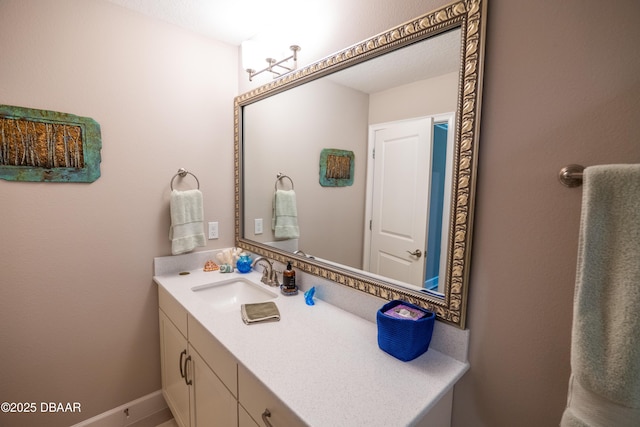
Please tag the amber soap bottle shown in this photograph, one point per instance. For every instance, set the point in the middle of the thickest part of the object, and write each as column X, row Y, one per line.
column 289, row 281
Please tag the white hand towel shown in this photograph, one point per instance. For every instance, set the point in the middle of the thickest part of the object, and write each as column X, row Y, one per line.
column 604, row 389
column 285, row 215
column 187, row 228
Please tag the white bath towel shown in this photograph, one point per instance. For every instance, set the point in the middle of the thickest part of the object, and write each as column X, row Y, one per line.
column 604, row 389
column 187, row 228
column 284, row 221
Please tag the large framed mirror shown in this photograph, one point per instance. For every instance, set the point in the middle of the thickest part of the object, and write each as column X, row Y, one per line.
column 360, row 168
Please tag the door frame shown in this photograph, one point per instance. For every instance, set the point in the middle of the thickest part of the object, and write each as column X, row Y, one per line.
column 448, row 118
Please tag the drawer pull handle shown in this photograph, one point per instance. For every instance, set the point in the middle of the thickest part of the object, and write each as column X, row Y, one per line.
column 186, row 372
column 265, row 417
column 183, row 354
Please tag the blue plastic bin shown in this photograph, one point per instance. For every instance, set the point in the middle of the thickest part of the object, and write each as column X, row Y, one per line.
column 404, row 338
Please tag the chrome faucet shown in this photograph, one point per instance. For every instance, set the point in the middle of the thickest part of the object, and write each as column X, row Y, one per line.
column 299, row 252
column 269, row 274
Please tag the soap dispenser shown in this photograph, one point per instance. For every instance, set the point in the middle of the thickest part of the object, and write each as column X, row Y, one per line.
column 289, row 281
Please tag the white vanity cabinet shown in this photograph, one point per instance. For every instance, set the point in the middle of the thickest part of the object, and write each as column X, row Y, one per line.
column 190, row 361
column 218, row 371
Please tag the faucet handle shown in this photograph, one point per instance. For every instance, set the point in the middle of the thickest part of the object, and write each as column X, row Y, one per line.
column 273, row 280
column 265, row 277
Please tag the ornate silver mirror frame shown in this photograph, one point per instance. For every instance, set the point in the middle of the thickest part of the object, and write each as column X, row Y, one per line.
column 470, row 17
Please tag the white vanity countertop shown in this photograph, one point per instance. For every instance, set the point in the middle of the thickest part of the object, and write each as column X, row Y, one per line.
column 321, row 361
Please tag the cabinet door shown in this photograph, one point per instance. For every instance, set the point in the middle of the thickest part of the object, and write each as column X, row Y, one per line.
column 213, row 404
column 173, row 353
column 215, row 354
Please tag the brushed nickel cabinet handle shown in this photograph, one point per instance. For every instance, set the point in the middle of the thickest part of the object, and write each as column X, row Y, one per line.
column 186, row 372
column 265, row 417
column 182, row 354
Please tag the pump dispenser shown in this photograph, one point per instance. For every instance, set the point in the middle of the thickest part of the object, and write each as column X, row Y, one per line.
column 289, row 281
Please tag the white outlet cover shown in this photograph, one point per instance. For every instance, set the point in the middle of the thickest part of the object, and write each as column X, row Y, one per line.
column 213, row 230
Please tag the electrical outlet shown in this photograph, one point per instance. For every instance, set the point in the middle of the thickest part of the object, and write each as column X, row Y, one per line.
column 257, row 229
column 213, row 230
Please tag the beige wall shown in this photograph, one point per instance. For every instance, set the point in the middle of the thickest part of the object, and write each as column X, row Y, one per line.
column 78, row 309
column 408, row 101
column 77, row 304
column 561, row 86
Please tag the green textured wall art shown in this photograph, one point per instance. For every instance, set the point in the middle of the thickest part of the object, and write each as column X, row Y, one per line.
column 336, row 167
column 48, row 146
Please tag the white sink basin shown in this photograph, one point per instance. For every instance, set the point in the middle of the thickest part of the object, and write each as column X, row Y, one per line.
column 228, row 295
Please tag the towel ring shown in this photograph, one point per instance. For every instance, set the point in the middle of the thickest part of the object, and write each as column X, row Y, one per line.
column 182, row 172
column 279, row 177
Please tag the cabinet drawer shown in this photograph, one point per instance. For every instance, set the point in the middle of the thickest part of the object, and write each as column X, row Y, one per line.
column 215, row 355
column 255, row 397
column 174, row 311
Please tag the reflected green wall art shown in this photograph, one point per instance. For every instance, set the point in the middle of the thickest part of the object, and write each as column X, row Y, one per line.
column 48, row 146
column 336, row 167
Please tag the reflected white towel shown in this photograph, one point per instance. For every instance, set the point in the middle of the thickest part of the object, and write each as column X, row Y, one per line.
column 285, row 215
column 605, row 348
column 187, row 228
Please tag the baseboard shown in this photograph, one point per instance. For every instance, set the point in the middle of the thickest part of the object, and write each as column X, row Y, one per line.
column 151, row 407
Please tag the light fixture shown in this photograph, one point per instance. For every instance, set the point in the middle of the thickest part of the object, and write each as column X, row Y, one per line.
column 251, row 56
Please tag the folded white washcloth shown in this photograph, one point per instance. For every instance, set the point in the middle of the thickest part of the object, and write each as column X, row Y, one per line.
column 285, row 215
column 187, row 228
column 605, row 350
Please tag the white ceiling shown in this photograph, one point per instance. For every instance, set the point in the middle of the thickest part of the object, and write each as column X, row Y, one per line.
column 230, row 21
column 434, row 57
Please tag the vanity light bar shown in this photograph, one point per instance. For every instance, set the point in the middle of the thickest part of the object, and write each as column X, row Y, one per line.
column 274, row 63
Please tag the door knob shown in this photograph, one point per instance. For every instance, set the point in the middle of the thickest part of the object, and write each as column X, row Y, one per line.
column 416, row 253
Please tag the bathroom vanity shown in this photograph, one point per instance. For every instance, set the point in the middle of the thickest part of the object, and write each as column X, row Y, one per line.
column 319, row 365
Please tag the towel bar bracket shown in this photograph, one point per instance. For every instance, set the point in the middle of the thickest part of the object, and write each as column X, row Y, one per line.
column 571, row 175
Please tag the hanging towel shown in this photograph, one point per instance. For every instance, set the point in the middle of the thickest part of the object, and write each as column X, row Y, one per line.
column 187, row 229
column 285, row 215
column 604, row 388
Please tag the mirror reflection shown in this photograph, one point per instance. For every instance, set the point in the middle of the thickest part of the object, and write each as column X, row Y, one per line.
column 367, row 157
